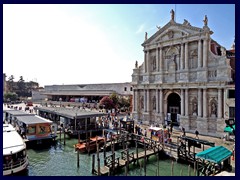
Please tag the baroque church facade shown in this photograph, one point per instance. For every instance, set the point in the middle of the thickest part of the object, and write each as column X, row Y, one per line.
column 183, row 79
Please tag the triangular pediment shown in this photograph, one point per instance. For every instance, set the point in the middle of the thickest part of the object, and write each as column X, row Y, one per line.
column 172, row 30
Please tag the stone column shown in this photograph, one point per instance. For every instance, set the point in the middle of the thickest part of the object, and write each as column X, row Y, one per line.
column 145, row 100
column 160, row 59
column 136, row 100
column 219, row 109
column 186, row 102
column 182, row 57
column 157, row 60
column 205, row 53
column 161, row 102
column 148, row 64
column 199, row 53
column 157, row 101
column 186, row 56
column 199, row 102
column 224, row 104
column 148, row 100
column 205, row 104
column 145, row 61
column 134, row 97
column 182, row 102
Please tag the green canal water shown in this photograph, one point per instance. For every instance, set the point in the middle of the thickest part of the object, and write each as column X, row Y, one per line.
column 61, row 160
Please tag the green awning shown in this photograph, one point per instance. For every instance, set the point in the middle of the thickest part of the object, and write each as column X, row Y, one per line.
column 229, row 129
column 215, row 154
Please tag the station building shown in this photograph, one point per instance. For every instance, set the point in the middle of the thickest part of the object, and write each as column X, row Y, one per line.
column 89, row 93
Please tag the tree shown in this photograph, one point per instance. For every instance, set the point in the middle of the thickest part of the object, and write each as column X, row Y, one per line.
column 124, row 103
column 11, row 83
column 106, row 102
column 115, row 99
column 10, row 96
column 21, row 87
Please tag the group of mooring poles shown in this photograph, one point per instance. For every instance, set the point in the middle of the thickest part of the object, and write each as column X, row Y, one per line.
column 87, row 145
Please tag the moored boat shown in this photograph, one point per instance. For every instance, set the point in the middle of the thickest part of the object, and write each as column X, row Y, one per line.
column 15, row 157
column 90, row 145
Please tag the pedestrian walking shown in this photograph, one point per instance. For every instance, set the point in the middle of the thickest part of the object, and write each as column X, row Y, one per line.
column 196, row 133
column 171, row 126
column 145, row 132
column 183, row 131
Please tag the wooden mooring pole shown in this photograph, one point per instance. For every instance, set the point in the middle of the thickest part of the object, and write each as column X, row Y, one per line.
column 98, row 160
column 64, row 136
column 93, row 163
column 172, row 168
column 78, row 158
column 189, row 170
column 181, row 172
column 137, row 152
column 104, row 152
column 145, row 161
column 194, row 168
column 61, row 134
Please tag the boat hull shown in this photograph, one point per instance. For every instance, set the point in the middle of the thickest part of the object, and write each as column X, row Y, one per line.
column 16, row 169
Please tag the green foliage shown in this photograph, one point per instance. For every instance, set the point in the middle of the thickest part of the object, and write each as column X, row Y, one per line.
column 10, row 96
column 115, row 99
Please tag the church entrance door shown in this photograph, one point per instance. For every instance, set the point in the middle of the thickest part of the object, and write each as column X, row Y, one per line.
column 174, row 107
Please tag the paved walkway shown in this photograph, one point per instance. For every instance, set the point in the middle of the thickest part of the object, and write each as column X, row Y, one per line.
column 218, row 142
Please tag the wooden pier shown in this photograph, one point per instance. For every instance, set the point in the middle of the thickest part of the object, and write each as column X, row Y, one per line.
column 151, row 147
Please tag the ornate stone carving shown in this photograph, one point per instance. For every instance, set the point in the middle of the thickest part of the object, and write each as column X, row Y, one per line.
column 170, row 34
column 146, row 36
column 136, row 64
column 223, row 51
column 172, row 14
column 205, row 20
column 186, row 23
column 154, row 102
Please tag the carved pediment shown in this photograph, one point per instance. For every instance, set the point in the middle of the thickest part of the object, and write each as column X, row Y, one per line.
column 172, row 31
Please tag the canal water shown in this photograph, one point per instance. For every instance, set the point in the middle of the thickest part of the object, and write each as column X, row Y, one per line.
column 61, row 160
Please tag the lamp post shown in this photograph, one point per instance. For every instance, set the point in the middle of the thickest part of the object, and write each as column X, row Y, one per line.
column 60, row 100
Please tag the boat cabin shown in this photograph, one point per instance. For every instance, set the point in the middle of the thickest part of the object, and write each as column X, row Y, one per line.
column 127, row 124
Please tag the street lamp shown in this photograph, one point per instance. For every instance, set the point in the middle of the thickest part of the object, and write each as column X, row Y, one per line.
column 60, row 99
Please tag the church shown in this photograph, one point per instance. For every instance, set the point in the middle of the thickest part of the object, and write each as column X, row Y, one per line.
column 184, row 79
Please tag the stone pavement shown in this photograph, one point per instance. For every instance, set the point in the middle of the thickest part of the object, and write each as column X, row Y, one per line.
column 218, row 141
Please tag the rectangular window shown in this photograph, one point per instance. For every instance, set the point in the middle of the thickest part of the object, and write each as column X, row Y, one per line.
column 232, row 112
column 131, row 88
column 231, row 93
column 125, row 88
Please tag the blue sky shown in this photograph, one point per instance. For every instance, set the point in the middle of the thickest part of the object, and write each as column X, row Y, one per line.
column 77, row 44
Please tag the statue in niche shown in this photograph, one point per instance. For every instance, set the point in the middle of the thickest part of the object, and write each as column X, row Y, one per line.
column 213, row 109
column 154, row 63
column 142, row 103
column 223, row 51
column 170, row 34
column 154, row 103
column 205, row 20
column 146, row 36
column 194, row 107
column 172, row 14
column 136, row 64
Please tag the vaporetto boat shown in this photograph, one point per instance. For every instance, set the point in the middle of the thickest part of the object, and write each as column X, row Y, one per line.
column 15, row 157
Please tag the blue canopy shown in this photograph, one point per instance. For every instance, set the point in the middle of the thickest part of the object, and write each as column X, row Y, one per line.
column 215, row 154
